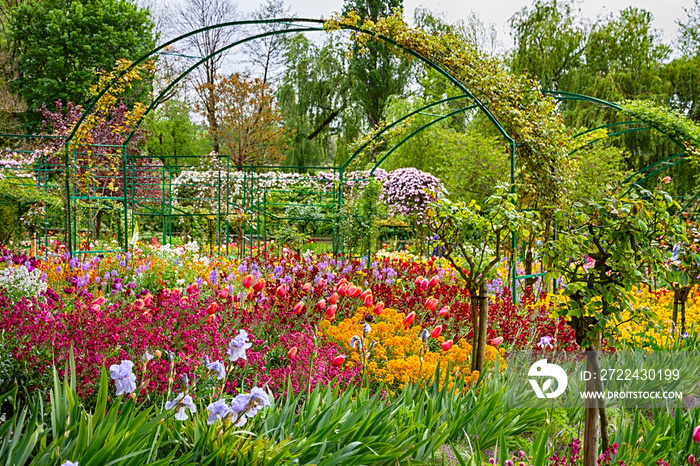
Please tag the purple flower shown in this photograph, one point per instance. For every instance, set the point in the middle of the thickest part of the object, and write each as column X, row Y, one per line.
column 124, row 377
column 546, row 341
column 218, row 367
column 214, row 276
column 237, row 347
column 250, row 403
column 218, row 410
column 182, row 402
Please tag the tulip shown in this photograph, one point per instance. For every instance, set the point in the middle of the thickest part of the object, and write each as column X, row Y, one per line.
column 333, row 299
column 431, row 303
column 378, row 308
column 249, row 295
column 247, row 281
column 259, row 285
column 338, row 360
column 192, row 289
column 341, row 288
column 409, row 319
column 691, row 460
column 95, row 307
column 368, row 300
column 147, row 300
column 434, row 281
column 497, row 341
column 339, row 284
column 183, row 301
column 418, row 281
column 211, row 309
column 356, row 293
column 321, row 305
column 306, row 288
column 444, row 312
column 157, row 354
column 99, row 301
column 330, row 312
column 292, row 353
column 696, row 434
column 350, row 290
column 211, row 318
column 446, row 345
column 321, row 283
column 223, row 294
column 364, row 294
column 299, row 307
column 436, row 331
column 138, row 305
column 281, row 290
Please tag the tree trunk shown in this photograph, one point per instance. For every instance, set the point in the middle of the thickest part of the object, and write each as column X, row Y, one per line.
column 475, row 327
column 590, row 422
column 483, row 326
column 98, row 224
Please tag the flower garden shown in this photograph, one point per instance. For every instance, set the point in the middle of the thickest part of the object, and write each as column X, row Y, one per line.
column 236, row 309
column 174, row 355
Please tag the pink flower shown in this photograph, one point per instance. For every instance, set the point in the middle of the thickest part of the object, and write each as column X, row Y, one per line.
column 299, row 307
column 378, row 308
column 696, row 434
column 444, row 312
column 437, row 331
column 211, row 309
column 259, row 285
column 333, row 299
column 409, row 319
column 321, row 305
column 281, row 290
column 446, row 346
column 431, row 303
column 247, row 281
column 292, row 352
column 306, row 288
column 497, row 341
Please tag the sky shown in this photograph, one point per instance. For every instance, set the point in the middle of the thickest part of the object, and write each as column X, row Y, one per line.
column 497, row 12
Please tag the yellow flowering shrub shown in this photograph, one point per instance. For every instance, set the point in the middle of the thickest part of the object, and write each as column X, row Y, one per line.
column 396, row 357
column 657, row 332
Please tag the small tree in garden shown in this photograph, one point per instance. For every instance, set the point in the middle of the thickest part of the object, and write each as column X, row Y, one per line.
column 468, row 234
column 603, row 250
column 682, row 271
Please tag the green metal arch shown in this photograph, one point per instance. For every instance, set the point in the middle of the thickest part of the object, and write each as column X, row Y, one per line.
column 288, row 21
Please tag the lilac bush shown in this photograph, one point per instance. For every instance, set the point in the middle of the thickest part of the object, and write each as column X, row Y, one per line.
column 407, row 192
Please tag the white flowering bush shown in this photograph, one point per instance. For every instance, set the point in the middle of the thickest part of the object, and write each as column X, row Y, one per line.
column 19, row 282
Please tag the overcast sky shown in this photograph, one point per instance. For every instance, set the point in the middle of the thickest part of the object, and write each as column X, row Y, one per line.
column 497, row 12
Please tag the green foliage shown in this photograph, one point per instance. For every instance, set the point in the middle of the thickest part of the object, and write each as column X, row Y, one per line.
column 66, row 43
column 326, row 426
column 360, row 219
column 476, row 236
column 315, row 102
column 17, row 198
column 683, row 130
column 172, row 132
column 289, row 236
column 619, row 234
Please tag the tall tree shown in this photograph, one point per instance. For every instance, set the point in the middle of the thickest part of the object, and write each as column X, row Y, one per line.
column 377, row 73
column 549, row 41
column 197, row 14
column 249, row 123
column 267, row 54
column 313, row 99
column 64, row 44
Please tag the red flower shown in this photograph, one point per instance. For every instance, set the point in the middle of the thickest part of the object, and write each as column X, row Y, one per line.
column 446, row 346
column 292, row 353
column 409, row 319
column 496, row 341
column 321, row 305
column 444, row 312
column 281, row 290
column 431, row 303
column 436, row 331
column 299, row 307
column 247, row 281
column 211, row 309
column 259, row 285
column 338, row 360
column 378, row 308
column 333, row 299
column 434, row 281
column 330, row 312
